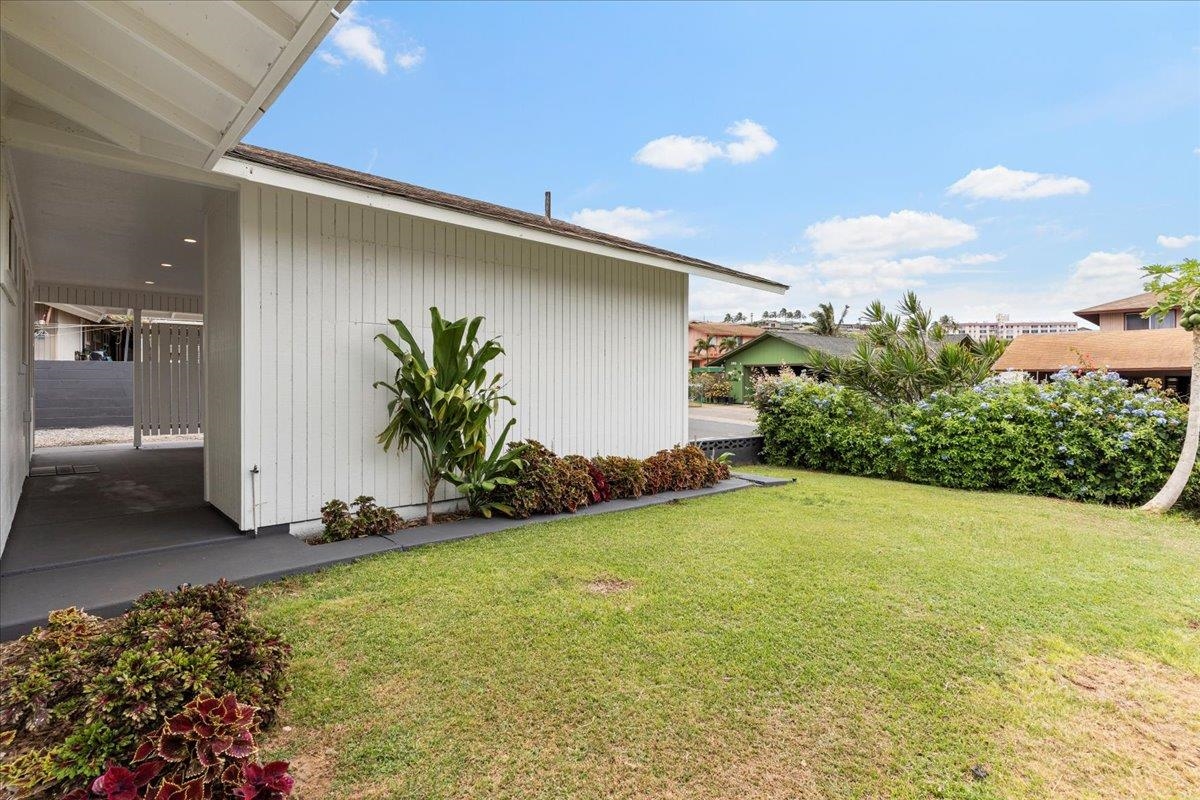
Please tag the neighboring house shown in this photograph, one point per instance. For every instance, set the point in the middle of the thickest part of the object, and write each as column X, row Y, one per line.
column 1004, row 328
column 58, row 332
column 295, row 265
column 776, row 349
column 1126, row 314
column 1127, row 343
column 717, row 332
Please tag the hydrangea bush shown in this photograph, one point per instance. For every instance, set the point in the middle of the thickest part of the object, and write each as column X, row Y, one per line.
column 1089, row 437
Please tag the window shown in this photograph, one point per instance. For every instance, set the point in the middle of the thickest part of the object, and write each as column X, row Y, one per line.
column 1136, row 322
column 1167, row 320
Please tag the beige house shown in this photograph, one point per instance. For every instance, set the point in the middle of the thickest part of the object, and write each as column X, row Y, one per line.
column 1126, row 315
column 1138, row 348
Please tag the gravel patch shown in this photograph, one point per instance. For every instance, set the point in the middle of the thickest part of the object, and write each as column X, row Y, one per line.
column 102, row 434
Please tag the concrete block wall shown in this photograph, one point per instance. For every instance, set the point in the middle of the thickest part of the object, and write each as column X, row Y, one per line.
column 83, row 394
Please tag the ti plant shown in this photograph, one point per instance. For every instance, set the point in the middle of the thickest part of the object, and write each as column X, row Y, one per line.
column 441, row 404
column 1177, row 286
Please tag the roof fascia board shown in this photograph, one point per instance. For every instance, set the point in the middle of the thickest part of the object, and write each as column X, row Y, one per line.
column 311, row 31
column 307, row 184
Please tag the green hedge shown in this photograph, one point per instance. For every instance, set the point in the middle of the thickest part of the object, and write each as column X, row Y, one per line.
column 1088, row 437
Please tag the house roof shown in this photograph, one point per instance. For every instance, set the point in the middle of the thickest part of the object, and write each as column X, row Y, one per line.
column 1137, row 302
column 724, row 329
column 1166, row 350
column 480, row 208
column 829, row 345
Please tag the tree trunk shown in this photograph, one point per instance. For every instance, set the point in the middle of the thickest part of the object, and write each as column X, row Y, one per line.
column 1171, row 492
column 430, row 491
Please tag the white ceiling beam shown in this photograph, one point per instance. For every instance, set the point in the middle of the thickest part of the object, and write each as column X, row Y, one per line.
column 19, row 22
column 270, row 17
column 26, row 134
column 170, row 46
column 308, row 35
column 68, row 107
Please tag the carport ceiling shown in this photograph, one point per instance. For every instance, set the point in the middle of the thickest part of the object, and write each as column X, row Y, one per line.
column 95, row 226
column 179, row 82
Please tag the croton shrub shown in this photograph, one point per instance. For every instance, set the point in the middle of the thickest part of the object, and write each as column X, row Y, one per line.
column 81, row 692
column 205, row 751
column 549, row 484
column 365, row 519
column 1087, row 436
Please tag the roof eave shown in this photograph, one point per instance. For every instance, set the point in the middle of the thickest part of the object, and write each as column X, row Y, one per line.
column 278, row 177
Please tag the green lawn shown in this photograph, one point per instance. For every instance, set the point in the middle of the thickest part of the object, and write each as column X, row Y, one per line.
column 835, row 638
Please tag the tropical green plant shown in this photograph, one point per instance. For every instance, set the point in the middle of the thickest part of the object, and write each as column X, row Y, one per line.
column 703, row 347
column 906, row 356
column 728, row 345
column 1178, row 286
column 441, row 406
column 826, row 322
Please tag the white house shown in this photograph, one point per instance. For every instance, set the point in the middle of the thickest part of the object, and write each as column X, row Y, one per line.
column 125, row 187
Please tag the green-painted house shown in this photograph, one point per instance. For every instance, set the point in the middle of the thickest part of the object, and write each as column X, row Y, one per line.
column 776, row 349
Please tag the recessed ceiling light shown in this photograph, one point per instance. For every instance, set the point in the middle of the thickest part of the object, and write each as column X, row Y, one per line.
column 190, row 241
column 165, row 264
column 149, row 283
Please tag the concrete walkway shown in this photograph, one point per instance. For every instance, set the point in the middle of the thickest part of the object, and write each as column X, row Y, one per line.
column 107, row 585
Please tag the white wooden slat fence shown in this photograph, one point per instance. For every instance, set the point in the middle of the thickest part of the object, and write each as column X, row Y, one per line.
column 168, row 379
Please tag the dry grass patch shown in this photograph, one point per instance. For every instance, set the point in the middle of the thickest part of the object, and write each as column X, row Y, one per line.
column 608, row 585
column 1125, row 728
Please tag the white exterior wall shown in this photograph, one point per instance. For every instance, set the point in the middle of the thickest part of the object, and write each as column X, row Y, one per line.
column 16, row 427
column 596, row 356
column 223, row 474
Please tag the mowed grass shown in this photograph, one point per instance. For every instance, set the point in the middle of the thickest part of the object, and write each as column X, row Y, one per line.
column 835, row 638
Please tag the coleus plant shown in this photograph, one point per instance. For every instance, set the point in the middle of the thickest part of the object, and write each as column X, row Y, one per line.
column 202, row 753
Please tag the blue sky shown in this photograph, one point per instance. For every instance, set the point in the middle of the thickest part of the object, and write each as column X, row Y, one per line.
column 1017, row 158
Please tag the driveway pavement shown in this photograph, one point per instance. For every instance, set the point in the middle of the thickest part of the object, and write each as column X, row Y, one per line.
column 721, row 421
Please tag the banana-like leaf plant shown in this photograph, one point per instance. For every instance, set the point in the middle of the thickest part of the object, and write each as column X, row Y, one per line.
column 441, row 404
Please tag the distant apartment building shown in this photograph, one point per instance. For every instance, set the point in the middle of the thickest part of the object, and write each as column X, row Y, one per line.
column 1004, row 328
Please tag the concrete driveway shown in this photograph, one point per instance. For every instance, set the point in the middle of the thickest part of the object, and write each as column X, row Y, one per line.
column 721, row 421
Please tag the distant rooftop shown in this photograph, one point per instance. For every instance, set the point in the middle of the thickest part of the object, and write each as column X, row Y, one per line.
column 1137, row 302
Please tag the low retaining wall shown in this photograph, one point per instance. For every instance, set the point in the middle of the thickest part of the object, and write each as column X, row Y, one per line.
column 745, row 449
column 83, row 394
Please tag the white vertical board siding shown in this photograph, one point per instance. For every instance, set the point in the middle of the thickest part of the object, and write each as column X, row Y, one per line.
column 224, row 475
column 594, row 346
column 15, row 369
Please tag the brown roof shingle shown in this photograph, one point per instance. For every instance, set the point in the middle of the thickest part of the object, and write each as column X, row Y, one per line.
column 1167, row 350
column 1137, row 302
column 420, row 194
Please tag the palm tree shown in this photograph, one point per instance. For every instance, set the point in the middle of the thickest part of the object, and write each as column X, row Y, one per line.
column 728, row 345
column 702, row 348
column 1178, row 286
column 905, row 356
column 825, row 323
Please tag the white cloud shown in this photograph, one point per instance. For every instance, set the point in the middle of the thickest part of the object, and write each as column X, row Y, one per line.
column 637, row 224
column 1178, row 242
column 752, row 142
column 411, row 58
column 691, row 153
column 1101, row 276
column 899, row 232
column 356, row 40
column 359, row 38
column 1002, row 183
